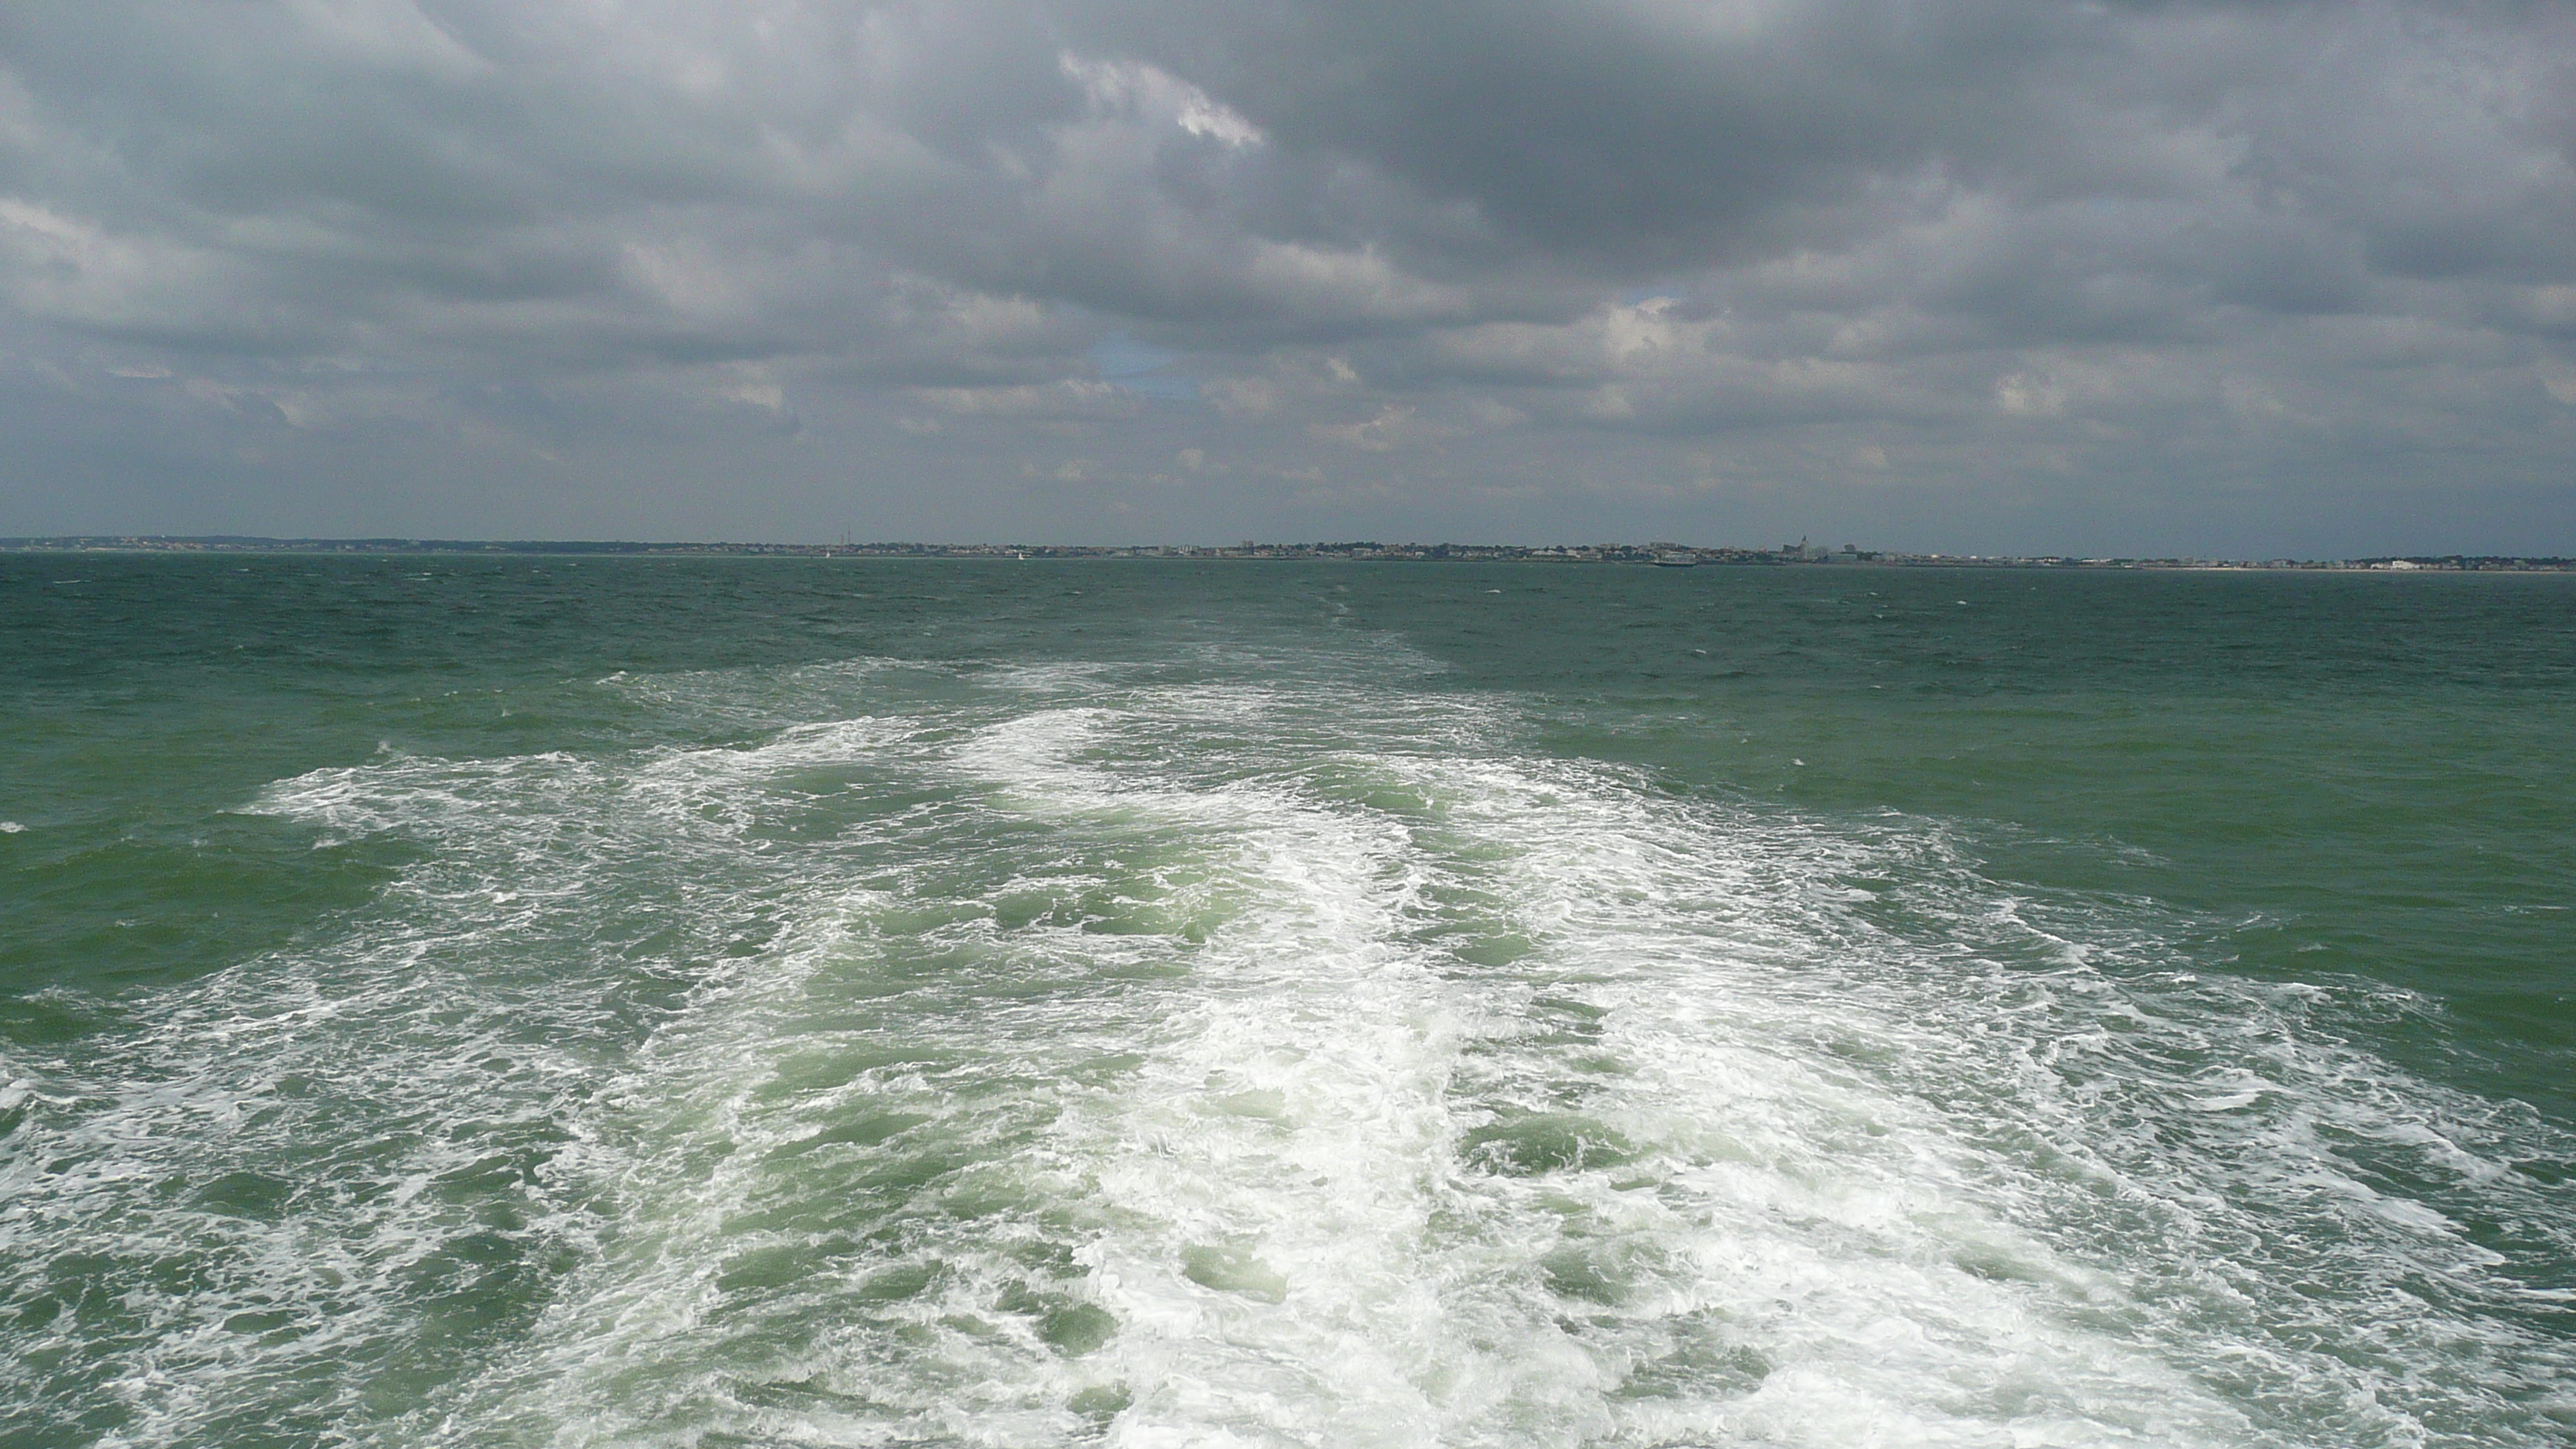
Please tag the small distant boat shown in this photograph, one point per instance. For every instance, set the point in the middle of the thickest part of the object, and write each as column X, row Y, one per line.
column 1677, row 560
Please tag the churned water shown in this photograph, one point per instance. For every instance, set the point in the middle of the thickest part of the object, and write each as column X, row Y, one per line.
column 760, row 1002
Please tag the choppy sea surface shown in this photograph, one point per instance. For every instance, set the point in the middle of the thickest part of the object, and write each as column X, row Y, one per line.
column 558, row 1002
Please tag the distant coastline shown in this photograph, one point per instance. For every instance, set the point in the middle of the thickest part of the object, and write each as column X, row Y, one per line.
column 1665, row 554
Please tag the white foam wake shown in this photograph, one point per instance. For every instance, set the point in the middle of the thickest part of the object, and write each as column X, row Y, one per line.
column 1082, row 1054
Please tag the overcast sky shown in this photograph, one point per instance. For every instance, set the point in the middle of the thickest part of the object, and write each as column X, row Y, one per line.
column 2002, row 275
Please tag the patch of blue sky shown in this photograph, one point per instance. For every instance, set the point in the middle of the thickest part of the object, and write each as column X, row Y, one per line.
column 1132, row 366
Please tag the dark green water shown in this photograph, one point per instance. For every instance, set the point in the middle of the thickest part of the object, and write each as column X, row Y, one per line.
column 792, row 1002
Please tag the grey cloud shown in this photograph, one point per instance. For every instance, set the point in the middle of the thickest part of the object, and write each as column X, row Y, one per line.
column 1512, row 248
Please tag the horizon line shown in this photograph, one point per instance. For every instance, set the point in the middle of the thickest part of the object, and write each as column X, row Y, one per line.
column 1655, row 551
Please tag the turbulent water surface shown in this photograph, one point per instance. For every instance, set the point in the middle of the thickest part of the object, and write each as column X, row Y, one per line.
column 758, row 1002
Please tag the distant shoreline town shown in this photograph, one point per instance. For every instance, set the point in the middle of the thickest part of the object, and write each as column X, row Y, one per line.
column 1660, row 554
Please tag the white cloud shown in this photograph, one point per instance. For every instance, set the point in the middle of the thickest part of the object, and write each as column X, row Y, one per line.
column 752, row 385
column 2031, row 395
column 1133, row 87
column 1394, row 426
column 1241, row 397
column 1070, row 397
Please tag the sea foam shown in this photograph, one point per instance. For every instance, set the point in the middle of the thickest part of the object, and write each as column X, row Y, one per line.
column 1271, row 1051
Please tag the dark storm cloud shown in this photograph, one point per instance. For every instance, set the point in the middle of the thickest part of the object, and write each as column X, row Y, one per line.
column 1646, row 134
column 1446, row 266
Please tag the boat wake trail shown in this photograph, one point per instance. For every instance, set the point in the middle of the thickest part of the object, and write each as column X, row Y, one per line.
column 1259, row 1052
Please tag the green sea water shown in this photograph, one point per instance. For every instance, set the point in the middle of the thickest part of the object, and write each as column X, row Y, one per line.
column 542, row 1001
